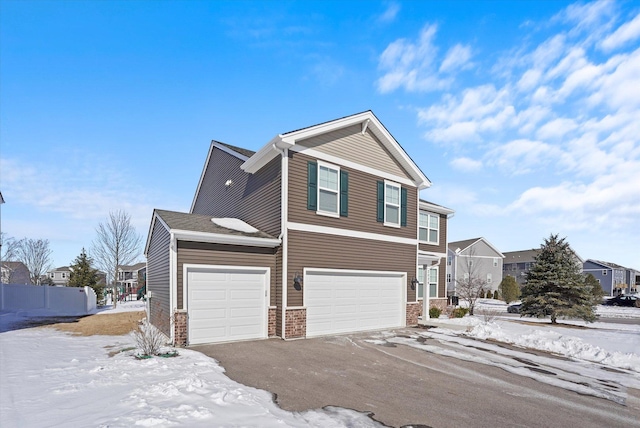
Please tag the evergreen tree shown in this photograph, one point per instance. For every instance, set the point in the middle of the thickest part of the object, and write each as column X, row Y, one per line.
column 597, row 292
column 555, row 286
column 82, row 274
column 509, row 289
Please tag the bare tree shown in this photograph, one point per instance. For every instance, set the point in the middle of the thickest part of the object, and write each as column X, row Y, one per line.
column 471, row 286
column 117, row 243
column 8, row 253
column 36, row 256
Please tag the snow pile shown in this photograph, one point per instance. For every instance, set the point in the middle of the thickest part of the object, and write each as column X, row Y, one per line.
column 234, row 224
column 51, row 378
column 556, row 343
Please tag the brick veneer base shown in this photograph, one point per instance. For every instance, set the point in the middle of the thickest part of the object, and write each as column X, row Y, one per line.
column 272, row 322
column 295, row 323
column 180, row 332
column 414, row 310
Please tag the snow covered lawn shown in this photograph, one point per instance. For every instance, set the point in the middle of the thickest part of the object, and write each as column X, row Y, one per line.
column 54, row 379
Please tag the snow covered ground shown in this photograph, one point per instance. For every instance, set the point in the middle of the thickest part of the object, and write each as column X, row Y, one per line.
column 50, row 378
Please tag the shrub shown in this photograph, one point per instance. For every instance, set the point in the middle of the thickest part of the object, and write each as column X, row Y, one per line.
column 459, row 312
column 495, row 294
column 148, row 338
column 434, row 312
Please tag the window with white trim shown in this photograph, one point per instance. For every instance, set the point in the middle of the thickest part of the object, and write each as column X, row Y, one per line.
column 604, row 272
column 448, row 277
column 328, row 189
column 391, row 204
column 429, row 225
column 433, row 282
column 489, row 278
column 495, row 262
column 449, row 259
column 420, row 287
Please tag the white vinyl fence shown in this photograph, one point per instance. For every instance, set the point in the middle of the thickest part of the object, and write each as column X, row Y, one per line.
column 59, row 300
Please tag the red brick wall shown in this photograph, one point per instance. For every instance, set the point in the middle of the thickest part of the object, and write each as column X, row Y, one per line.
column 295, row 323
column 180, row 328
column 272, row 322
column 414, row 310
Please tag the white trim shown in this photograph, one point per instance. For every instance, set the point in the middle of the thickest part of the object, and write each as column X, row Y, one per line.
column 329, row 166
column 265, row 270
column 475, row 242
column 351, row 165
column 229, row 151
column 154, row 217
column 265, row 154
column 313, row 228
column 428, row 206
column 173, row 284
column 218, row 238
column 295, row 308
column 284, row 190
column 399, row 206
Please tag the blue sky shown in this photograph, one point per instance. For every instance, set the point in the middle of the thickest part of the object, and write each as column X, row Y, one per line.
column 526, row 119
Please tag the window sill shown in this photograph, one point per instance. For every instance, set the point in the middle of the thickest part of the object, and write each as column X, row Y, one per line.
column 328, row 214
column 397, row 226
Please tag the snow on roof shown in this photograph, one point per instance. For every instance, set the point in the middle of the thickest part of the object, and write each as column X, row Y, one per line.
column 234, row 224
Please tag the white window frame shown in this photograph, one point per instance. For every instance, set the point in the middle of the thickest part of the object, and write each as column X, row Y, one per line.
column 448, row 277
column 489, row 278
column 337, row 192
column 436, row 270
column 428, row 228
column 420, row 285
column 495, row 262
column 604, row 272
column 399, row 206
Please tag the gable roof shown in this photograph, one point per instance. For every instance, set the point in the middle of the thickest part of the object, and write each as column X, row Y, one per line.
column 134, row 267
column 521, row 256
column 368, row 121
column 201, row 228
column 463, row 245
column 430, row 206
column 607, row 264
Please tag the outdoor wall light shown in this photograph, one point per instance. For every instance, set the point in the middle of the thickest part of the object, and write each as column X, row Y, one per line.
column 414, row 282
column 297, row 281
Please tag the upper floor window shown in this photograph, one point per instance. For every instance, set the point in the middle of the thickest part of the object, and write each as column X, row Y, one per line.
column 604, row 272
column 495, row 262
column 428, row 228
column 327, row 189
column 489, row 278
column 63, row 275
column 449, row 259
column 52, row 275
column 392, row 204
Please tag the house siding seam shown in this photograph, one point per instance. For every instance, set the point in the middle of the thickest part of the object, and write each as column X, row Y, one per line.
column 362, row 202
column 253, row 198
column 222, row 255
column 317, row 250
column 158, row 278
column 342, row 143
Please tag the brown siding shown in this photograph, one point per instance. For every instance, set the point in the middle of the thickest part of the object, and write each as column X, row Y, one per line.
column 318, row 250
column 278, row 292
column 158, row 265
column 349, row 143
column 442, row 278
column 227, row 255
column 442, row 246
column 362, row 202
column 253, row 198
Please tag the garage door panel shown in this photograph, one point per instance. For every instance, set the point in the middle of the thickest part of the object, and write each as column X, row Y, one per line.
column 226, row 304
column 343, row 302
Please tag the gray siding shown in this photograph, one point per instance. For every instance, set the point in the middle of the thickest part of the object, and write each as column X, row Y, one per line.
column 318, row 250
column 253, row 198
column 362, row 202
column 349, row 143
column 226, row 255
column 158, row 278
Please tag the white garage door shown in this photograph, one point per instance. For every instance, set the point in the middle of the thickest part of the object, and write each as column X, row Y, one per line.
column 226, row 304
column 344, row 302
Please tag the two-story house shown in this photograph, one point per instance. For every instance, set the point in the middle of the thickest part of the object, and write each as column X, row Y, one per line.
column 611, row 276
column 60, row 276
column 319, row 232
column 476, row 258
column 128, row 279
column 518, row 263
column 14, row 273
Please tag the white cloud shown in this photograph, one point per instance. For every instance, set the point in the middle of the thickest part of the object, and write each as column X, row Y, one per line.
column 522, row 156
column 625, row 33
column 411, row 65
column 389, row 15
column 556, row 129
column 466, row 164
column 457, row 58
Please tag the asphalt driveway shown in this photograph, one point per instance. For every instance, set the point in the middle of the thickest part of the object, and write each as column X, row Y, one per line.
column 401, row 385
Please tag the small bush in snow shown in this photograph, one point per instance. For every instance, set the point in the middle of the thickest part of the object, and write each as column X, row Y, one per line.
column 434, row 312
column 495, row 295
column 459, row 312
column 148, row 338
column 489, row 315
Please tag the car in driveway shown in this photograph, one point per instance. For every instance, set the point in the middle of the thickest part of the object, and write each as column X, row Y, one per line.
column 514, row 309
column 623, row 301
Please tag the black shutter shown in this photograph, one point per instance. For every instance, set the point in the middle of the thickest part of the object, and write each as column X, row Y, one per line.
column 312, row 185
column 344, row 193
column 380, row 202
column 403, row 206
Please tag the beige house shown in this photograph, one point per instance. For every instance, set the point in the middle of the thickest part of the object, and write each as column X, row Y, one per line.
column 319, row 232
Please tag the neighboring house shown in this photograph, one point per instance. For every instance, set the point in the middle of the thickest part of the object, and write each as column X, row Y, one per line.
column 610, row 276
column 473, row 257
column 60, row 276
column 314, row 234
column 518, row 263
column 632, row 277
column 128, row 278
column 14, row 273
